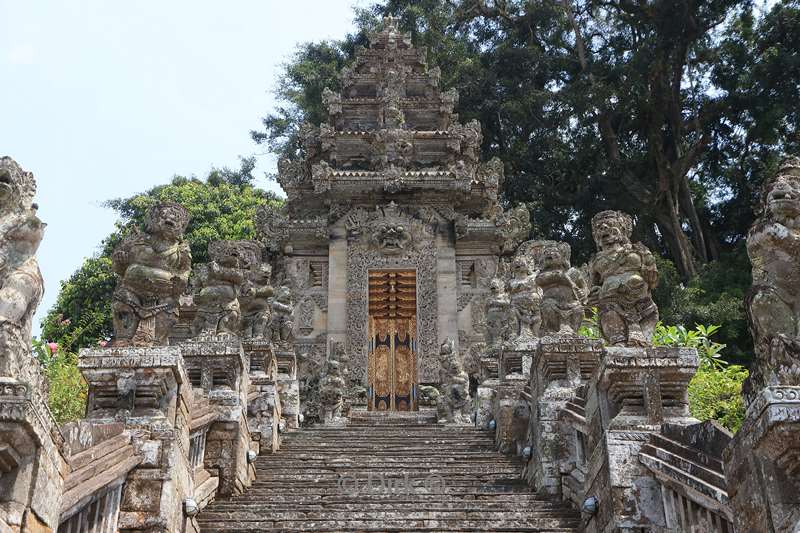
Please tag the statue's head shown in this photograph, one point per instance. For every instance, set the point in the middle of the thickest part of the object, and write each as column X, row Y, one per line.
column 447, row 348
column 283, row 294
column 392, row 237
column 555, row 255
column 521, row 267
column 17, row 187
column 496, row 286
column 611, row 228
column 167, row 220
column 228, row 253
column 781, row 196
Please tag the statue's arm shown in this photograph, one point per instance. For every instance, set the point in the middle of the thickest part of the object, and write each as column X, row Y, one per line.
column 19, row 295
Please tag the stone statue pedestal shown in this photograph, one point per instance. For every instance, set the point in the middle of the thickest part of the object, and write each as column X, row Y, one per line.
column 148, row 390
column 511, row 414
column 562, row 365
column 766, row 453
column 32, row 470
column 634, row 391
column 288, row 385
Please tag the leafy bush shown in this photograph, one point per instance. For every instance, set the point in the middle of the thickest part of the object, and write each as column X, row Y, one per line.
column 68, row 390
column 716, row 394
column 698, row 338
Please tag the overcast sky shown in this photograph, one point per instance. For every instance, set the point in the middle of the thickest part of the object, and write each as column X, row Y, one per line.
column 102, row 99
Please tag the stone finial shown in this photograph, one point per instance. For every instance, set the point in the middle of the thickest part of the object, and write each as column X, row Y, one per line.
column 21, row 284
column 153, row 267
column 773, row 303
column 623, row 274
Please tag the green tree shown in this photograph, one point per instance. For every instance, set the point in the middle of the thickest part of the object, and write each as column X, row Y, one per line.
column 221, row 207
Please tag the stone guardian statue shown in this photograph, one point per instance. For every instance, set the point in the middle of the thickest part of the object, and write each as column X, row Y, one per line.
column 21, row 284
column 153, row 268
column 623, row 274
column 563, row 288
column 773, row 303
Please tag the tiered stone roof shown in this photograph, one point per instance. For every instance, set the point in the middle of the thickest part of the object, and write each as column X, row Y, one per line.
column 391, row 134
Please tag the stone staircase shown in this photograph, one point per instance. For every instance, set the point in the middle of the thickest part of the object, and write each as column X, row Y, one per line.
column 457, row 481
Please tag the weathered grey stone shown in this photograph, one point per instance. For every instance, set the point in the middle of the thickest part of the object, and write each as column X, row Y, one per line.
column 153, row 267
column 623, row 275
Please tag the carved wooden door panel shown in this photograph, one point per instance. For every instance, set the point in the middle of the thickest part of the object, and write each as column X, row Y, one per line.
column 392, row 346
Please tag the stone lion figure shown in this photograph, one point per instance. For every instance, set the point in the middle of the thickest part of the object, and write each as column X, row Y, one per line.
column 153, row 268
column 773, row 303
column 623, row 274
column 563, row 288
column 21, row 284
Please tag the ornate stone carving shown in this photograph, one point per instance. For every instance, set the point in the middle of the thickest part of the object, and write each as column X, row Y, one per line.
column 21, row 284
column 773, row 304
column 526, row 298
column 153, row 267
column 501, row 321
column 281, row 324
column 331, row 390
column 623, row 275
column 362, row 255
column 563, row 288
column 453, row 405
column 218, row 307
column 254, row 298
column 271, row 225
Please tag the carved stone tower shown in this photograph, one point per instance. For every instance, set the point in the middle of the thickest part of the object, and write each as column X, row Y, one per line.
column 392, row 229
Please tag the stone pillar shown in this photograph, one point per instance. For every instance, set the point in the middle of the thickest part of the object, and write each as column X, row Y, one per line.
column 562, row 365
column 222, row 368
column 446, row 288
column 633, row 392
column 32, row 469
column 148, row 389
column 511, row 413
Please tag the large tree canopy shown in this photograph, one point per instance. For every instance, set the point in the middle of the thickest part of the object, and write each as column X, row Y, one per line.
column 671, row 110
column 223, row 206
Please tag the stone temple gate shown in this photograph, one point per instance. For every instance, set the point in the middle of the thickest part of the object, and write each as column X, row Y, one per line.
column 392, row 280
column 392, row 182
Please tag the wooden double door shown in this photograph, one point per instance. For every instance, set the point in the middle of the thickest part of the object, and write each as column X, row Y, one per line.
column 392, row 340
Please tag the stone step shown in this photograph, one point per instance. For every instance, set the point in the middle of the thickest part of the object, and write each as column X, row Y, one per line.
column 551, row 525
column 301, row 488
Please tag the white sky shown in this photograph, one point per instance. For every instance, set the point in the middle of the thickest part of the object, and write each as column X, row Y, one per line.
column 104, row 99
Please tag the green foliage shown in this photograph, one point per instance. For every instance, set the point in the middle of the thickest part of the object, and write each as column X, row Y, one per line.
column 714, row 296
column 716, row 394
column 68, row 390
column 590, row 327
column 698, row 338
column 221, row 207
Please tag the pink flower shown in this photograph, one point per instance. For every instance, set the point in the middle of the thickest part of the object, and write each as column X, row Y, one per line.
column 66, row 322
column 102, row 343
column 53, row 347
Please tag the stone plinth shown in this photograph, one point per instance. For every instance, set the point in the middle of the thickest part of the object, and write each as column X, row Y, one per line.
column 647, row 386
column 264, row 413
column 260, row 356
column 766, row 452
column 288, row 385
column 632, row 393
column 562, row 365
column 148, row 389
column 511, row 414
column 32, row 469
column 220, row 368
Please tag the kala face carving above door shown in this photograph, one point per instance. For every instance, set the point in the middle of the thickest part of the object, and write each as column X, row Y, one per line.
column 392, row 363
